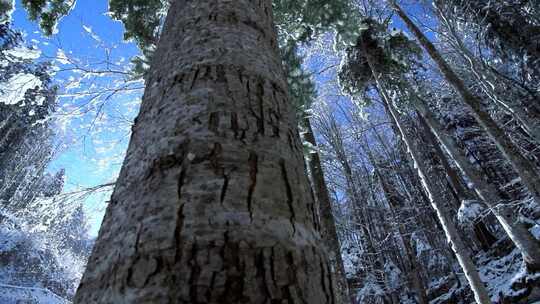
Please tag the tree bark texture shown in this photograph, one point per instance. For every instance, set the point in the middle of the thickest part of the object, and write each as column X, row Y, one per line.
column 212, row 204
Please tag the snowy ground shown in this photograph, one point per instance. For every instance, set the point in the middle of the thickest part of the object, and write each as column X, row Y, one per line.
column 501, row 273
column 15, row 294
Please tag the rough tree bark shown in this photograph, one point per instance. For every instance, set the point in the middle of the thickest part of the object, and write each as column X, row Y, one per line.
column 212, row 204
column 328, row 227
column 524, row 167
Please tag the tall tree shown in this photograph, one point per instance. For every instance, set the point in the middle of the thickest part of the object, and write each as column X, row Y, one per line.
column 456, row 241
column 524, row 167
column 29, row 215
column 328, row 226
column 372, row 57
column 516, row 100
column 461, row 193
column 196, row 215
column 487, row 192
column 27, row 100
column 490, row 195
column 395, row 201
column 509, row 28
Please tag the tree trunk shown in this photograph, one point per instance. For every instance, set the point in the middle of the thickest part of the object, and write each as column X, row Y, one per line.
column 356, row 197
column 490, row 195
column 212, row 204
column 522, row 166
column 517, row 36
column 471, row 273
column 519, row 111
column 328, row 226
column 413, row 267
column 483, row 236
column 452, row 234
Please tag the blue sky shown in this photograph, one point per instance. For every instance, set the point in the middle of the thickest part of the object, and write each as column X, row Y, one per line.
column 93, row 129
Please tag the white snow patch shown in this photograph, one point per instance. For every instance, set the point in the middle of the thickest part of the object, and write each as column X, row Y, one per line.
column 469, row 211
column 61, row 57
column 6, row 15
column 535, row 230
column 500, row 274
column 393, row 275
column 24, row 53
column 40, row 100
column 420, row 244
column 371, row 289
column 512, row 183
column 19, row 294
column 13, row 90
column 91, row 32
column 9, row 240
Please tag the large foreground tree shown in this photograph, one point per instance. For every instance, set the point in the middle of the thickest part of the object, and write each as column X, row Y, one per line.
column 212, row 204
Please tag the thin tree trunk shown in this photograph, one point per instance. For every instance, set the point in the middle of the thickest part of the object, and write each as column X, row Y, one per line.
column 484, row 237
column 356, row 197
column 328, row 226
column 452, row 234
column 488, row 82
column 524, row 168
column 471, row 273
column 212, row 204
column 490, row 195
column 5, row 123
column 413, row 270
column 519, row 36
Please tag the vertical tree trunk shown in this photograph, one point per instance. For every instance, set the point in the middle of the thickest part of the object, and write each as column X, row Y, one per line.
column 452, row 234
column 328, row 226
column 471, row 273
column 6, row 122
column 483, row 236
column 519, row 111
column 517, row 36
column 490, row 195
column 212, row 204
column 524, row 167
column 413, row 268
column 356, row 197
